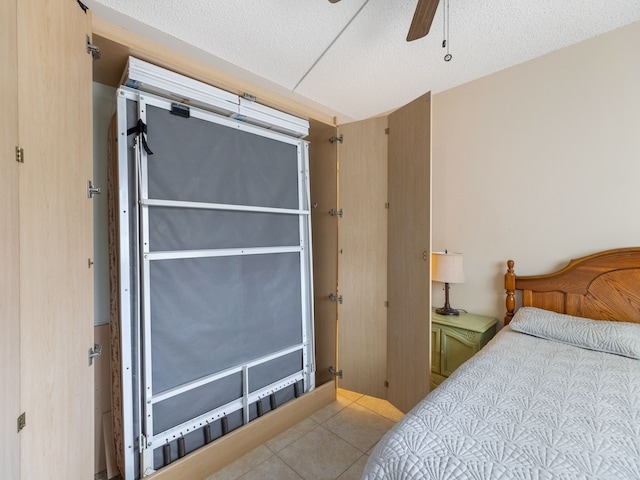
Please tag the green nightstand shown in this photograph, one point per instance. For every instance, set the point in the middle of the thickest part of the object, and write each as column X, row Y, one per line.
column 455, row 339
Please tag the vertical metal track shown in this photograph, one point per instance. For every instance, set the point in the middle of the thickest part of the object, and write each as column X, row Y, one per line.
column 126, row 342
column 146, row 393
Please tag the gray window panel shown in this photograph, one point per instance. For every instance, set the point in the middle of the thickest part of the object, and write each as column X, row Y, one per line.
column 209, row 314
column 201, row 161
column 191, row 404
column 195, row 229
column 270, row 372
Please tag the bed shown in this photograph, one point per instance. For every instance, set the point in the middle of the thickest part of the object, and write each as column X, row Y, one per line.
column 555, row 395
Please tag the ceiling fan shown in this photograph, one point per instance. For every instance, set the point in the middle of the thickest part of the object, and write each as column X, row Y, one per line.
column 422, row 18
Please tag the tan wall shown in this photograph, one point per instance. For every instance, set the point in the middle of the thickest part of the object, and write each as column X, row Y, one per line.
column 538, row 163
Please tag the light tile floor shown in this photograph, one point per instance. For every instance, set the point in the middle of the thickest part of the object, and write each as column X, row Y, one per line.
column 332, row 444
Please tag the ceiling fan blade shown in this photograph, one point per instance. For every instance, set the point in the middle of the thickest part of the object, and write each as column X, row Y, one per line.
column 422, row 19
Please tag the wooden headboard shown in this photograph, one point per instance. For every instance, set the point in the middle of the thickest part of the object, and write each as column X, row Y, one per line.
column 602, row 286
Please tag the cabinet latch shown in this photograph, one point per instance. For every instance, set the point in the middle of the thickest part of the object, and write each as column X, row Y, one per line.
column 334, row 372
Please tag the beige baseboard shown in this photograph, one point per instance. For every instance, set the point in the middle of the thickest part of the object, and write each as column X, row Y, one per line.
column 207, row 460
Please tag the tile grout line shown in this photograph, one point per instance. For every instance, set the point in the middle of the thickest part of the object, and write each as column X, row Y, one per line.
column 347, row 402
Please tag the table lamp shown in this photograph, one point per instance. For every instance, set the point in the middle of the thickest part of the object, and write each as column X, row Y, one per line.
column 447, row 268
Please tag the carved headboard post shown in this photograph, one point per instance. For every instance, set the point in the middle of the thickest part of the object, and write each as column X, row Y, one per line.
column 510, row 287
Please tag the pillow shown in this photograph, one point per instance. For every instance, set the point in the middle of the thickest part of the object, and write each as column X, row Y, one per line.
column 618, row 338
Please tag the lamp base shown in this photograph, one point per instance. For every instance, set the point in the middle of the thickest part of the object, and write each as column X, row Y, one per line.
column 447, row 310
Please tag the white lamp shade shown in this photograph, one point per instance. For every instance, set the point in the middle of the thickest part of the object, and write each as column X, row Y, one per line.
column 447, row 267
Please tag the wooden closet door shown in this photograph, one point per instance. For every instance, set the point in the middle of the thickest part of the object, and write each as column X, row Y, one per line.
column 324, row 229
column 56, row 280
column 362, row 258
column 409, row 253
column 9, row 246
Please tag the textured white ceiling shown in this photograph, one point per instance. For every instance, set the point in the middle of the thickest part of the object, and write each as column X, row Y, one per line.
column 352, row 57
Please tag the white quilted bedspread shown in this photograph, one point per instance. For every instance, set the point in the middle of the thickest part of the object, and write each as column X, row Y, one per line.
column 523, row 408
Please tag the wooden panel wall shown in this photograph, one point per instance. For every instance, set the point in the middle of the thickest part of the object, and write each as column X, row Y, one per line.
column 56, row 301
column 9, row 246
column 409, row 320
column 362, row 264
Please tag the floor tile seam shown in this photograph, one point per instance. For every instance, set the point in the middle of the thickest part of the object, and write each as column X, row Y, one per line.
column 378, row 413
column 294, row 440
column 266, row 459
column 257, row 464
column 356, row 461
column 351, row 444
column 375, row 413
column 338, row 475
column 277, row 454
column 347, row 399
column 355, row 394
column 333, row 415
column 289, row 465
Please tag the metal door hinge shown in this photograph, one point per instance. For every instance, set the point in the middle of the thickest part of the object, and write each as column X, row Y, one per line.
column 386, row 205
column 83, row 6
column 91, row 189
column 335, row 373
column 333, row 212
column 335, row 139
column 22, row 421
column 19, row 155
column 386, row 131
column 94, row 352
column 333, row 298
column 94, row 50
column 386, row 303
column 386, row 384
